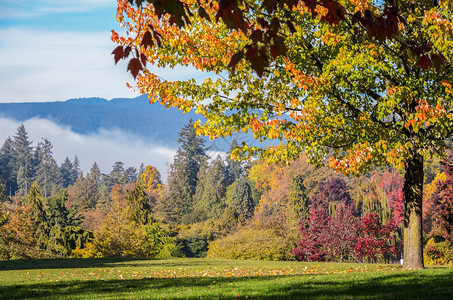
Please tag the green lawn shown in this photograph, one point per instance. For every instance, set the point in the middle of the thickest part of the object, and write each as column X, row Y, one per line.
column 216, row 279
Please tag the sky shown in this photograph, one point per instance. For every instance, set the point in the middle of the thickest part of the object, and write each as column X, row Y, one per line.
column 54, row 50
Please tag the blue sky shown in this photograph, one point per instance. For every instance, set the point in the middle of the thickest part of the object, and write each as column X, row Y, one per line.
column 53, row 50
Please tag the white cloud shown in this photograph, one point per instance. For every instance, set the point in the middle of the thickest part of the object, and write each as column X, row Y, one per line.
column 30, row 8
column 38, row 66
column 105, row 147
column 48, row 66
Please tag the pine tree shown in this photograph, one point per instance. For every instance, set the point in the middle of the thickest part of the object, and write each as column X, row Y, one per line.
column 116, row 176
column 57, row 212
column 130, row 174
column 175, row 206
column 66, row 173
column 86, row 192
column 241, row 199
column 48, row 172
column 75, row 170
column 298, row 202
column 209, row 199
column 7, row 161
column 235, row 168
column 139, row 208
column 23, row 159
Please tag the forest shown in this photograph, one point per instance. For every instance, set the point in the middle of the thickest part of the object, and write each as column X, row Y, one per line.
column 212, row 207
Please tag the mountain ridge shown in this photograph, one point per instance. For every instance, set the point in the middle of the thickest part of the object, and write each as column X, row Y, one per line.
column 137, row 116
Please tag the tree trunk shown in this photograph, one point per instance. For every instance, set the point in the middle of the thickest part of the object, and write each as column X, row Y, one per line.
column 413, row 196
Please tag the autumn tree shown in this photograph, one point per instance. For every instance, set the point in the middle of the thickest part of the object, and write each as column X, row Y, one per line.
column 439, row 246
column 375, row 241
column 152, row 181
column 372, row 79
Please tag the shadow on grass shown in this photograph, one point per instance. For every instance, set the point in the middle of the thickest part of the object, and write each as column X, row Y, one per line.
column 63, row 263
column 408, row 285
column 70, row 263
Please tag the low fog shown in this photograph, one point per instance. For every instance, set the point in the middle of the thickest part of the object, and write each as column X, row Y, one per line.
column 104, row 147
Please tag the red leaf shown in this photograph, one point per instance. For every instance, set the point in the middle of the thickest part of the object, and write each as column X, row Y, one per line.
column 202, row 13
column 118, row 53
column 335, row 12
column 424, row 62
column 311, row 4
column 134, row 66
column 438, row 60
column 235, row 60
column 126, row 52
column 262, row 22
column 256, row 36
column 291, row 26
column 147, row 40
column 269, row 5
column 143, row 59
column 274, row 51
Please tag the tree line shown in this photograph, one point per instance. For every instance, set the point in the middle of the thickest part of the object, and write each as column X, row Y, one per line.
column 219, row 207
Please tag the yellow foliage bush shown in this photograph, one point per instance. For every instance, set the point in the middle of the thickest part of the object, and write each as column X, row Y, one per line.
column 258, row 244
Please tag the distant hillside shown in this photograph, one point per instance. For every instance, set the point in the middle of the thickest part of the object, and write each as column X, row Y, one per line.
column 88, row 115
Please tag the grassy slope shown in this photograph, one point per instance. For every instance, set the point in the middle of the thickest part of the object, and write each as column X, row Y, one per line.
column 216, row 279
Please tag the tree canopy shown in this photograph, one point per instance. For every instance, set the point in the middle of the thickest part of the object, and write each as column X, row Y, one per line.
column 361, row 83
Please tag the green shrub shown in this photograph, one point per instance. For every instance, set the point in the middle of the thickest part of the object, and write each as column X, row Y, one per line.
column 259, row 244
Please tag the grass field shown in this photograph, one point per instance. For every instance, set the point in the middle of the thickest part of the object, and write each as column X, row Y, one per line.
column 216, row 279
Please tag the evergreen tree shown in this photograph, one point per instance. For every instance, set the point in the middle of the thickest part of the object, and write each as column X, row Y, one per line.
column 95, row 174
column 7, row 164
column 209, row 199
column 141, row 169
column 241, row 199
column 235, row 168
column 75, row 170
column 139, row 205
column 298, row 202
column 66, row 170
column 176, row 204
column 38, row 212
column 57, row 212
column 23, row 159
column 116, row 176
column 48, row 172
column 130, row 174
column 86, row 192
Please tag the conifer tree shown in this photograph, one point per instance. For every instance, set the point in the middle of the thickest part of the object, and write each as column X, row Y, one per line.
column 66, row 173
column 57, row 212
column 235, row 168
column 139, row 207
column 298, row 202
column 75, row 169
column 7, row 162
column 23, row 159
column 175, row 206
column 209, row 199
column 241, row 199
column 47, row 173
